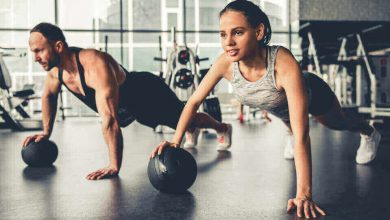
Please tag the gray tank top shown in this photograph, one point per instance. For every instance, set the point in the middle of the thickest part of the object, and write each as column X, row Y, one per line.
column 262, row 93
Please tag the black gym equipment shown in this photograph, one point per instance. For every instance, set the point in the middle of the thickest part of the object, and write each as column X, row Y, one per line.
column 212, row 107
column 183, row 75
column 173, row 171
column 183, row 57
column 40, row 154
column 12, row 103
column 184, row 78
column 352, row 59
column 182, row 72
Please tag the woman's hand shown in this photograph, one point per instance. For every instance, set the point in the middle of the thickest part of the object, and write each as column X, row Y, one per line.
column 161, row 147
column 305, row 205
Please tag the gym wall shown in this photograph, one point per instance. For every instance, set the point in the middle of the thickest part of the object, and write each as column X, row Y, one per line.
column 344, row 10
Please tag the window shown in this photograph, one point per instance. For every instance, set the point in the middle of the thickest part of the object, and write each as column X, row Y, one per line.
column 97, row 24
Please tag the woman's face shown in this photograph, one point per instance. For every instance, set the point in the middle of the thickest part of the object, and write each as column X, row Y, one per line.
column 239, row 39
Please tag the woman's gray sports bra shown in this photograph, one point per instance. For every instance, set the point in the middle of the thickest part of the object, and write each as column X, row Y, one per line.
column 262, row 93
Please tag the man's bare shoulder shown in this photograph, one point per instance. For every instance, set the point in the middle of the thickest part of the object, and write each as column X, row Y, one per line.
column 90, row 55
column 53, row 73
column 92, row 59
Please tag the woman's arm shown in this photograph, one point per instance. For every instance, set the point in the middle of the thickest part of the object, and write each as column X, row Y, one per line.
column 289, row 78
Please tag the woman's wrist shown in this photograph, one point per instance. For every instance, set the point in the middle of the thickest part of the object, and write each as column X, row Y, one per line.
column 176, row 141
column 46, row 134
column 174, row 144
column 304, row 194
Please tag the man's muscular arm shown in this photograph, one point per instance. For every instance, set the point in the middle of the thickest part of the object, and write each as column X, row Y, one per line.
column 49, row 99
column 101, row 77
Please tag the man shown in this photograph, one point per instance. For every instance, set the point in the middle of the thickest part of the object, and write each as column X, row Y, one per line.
column 120, row 97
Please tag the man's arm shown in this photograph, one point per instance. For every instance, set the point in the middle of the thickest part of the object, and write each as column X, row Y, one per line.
column 49, row 99
column 102, row 79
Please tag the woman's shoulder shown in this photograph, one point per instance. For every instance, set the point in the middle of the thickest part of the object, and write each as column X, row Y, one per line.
column 282, row 54
column 285, row 62
column 276, row 48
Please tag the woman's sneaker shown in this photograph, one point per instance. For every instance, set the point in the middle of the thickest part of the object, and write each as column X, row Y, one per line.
column 289, row 148
column 368, row 147
column 225, row 138
column 191, row 138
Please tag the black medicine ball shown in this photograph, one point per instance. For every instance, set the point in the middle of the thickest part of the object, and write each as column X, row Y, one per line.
column 174, row 171
column 40, row 154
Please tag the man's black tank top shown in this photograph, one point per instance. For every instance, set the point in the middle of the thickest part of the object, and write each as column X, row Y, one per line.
column 125, row 114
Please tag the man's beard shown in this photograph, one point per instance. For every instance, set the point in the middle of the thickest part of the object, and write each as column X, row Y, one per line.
column 53, row 62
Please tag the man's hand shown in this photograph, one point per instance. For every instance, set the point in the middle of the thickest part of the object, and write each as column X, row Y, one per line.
column 103, row 173
column 304, row 207
column 36, row 138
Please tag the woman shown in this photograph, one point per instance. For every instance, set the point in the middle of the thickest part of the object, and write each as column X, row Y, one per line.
column 268, row 77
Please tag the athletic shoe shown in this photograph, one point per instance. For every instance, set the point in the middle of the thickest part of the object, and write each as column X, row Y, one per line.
column 225, row 138
column 191, row 138
column 289, row 148
column 368, row 147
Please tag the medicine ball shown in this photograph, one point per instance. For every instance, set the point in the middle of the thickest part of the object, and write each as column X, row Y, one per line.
column 173, row 171
column 40, row 154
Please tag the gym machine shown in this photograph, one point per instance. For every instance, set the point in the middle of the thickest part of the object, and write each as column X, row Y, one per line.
column 342, row 59
column 183, row 75
column 352, row 58
column 12, row 103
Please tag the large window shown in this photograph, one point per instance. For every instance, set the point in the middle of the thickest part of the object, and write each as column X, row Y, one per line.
column 89, row 14
column 127, row 29
column 23, row 14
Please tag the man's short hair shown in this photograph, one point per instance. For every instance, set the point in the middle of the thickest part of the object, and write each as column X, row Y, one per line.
column 51, row 32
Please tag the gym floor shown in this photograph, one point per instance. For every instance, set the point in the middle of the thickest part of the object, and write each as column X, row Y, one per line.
column 251, row 181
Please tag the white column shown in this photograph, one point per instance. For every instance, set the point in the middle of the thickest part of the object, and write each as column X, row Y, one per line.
column 130, row 35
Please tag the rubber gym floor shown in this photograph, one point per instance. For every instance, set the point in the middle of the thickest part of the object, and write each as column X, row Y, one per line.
column 251, row 181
